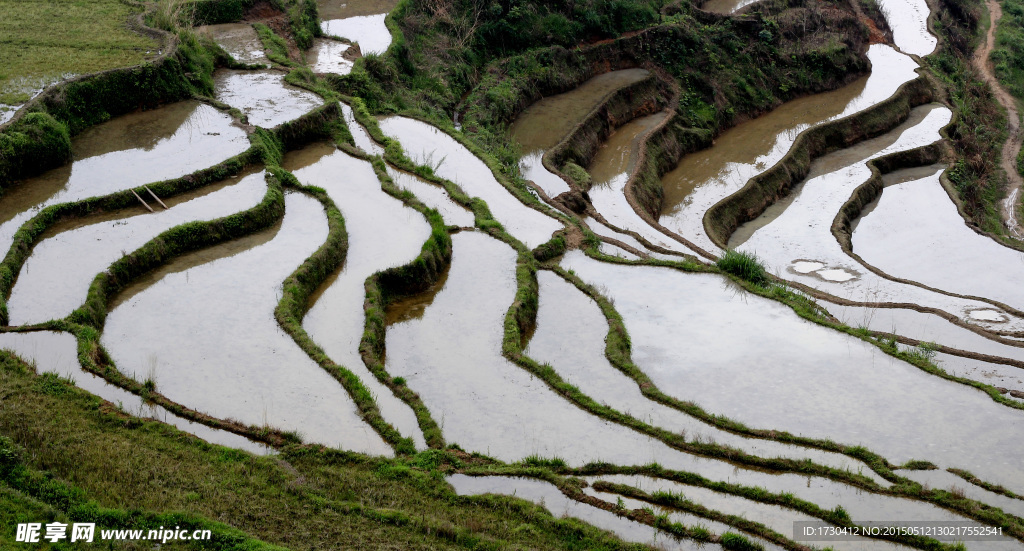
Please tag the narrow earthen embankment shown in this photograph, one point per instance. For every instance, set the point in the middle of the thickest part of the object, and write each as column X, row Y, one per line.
column 38, row 137
column 1008, row 159
column 579, row 146
column 763, row 190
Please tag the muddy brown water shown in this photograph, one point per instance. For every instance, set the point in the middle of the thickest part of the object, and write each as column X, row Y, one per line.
column 382, row 233
column 546, row 122
column 170, row 141
column 451, row 160
column 915, row 232
column 570, row 337
column 797, row 230
column 52, row 352
column 551, row 498
column 238, row 39
column 238, row 362
column 754, row 361
column 611, row 168
column 263, row 96
column 56, row 277
column 706, row 177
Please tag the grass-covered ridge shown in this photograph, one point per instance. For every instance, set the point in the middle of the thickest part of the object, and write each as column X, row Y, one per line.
column 41, row 42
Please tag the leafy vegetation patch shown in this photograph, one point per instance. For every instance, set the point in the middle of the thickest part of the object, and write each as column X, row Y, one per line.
column 41, row 42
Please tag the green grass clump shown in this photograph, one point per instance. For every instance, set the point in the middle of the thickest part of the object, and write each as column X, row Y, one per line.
column 1008, row 55
column 745, row 266
column 42, row 41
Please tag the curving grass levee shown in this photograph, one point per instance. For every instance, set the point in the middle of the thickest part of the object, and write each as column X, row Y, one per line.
column 418, row 507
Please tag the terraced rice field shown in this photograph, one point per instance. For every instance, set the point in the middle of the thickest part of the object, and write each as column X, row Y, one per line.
column 385, row 304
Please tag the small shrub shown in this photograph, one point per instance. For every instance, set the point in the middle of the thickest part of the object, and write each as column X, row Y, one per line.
column 743, row 265
column 736, row 542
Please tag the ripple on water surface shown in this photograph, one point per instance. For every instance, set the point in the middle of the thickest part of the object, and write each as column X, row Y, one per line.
column 208, row 337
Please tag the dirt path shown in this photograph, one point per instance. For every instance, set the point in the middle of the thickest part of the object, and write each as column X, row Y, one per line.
column 1013, row 144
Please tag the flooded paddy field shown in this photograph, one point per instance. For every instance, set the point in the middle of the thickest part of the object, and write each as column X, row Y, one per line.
column 360, row 21
column 448, row 314
column 382, row 233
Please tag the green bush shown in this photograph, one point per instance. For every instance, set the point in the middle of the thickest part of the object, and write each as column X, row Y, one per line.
column 743, row 265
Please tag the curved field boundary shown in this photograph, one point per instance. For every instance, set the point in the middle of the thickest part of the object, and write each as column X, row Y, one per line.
column 294, row 304
column 618, row 107
column 267, row 147
column 386, row 286
column 761, row 191
column 87, row 321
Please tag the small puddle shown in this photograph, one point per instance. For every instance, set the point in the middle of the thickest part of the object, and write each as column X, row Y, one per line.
column 208, row 337
column 170, row 142
column 915, row 232
column 753, row 360
column 238, row 39
column 908, row 20
column 570, row 337
column 706, row 177
column 53, row 352
column 263, row 96
column 434, row 197
column 429, row 146
column 382, row 233
column 544, row 124
column 551, row 498
column 56, row 277
column 328, row 56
